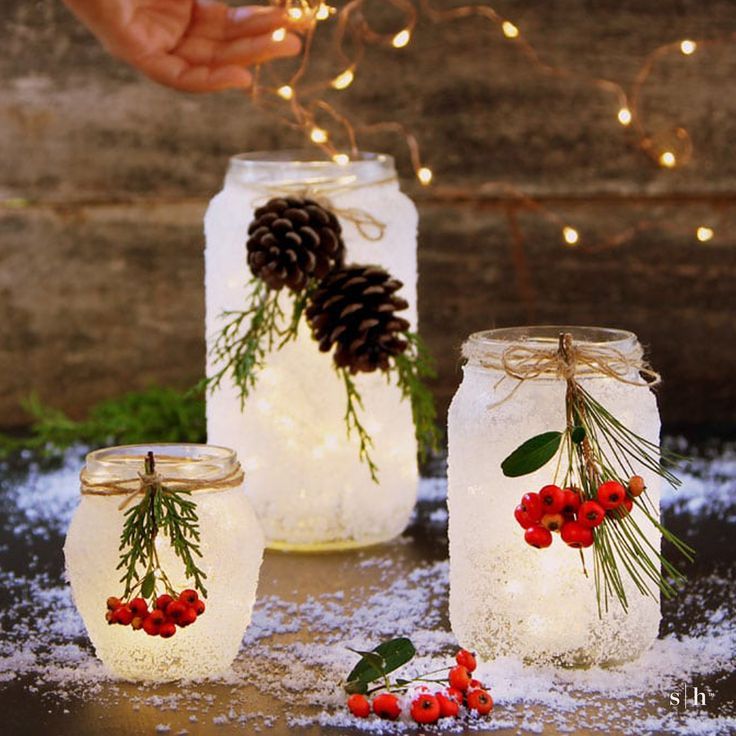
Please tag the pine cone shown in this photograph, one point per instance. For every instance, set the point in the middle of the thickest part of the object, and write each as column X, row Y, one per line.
column 354, row 308
column 293, row 239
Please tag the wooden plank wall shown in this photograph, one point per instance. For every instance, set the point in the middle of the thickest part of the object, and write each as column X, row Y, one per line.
column 105, row 177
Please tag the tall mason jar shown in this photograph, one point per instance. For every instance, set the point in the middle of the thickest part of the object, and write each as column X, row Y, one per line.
column 232, row 549
column 305, row 479
column 507, row 598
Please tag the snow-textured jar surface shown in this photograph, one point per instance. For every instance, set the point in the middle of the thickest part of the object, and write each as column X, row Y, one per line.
column 232, row 549
column 507, row 598
column 305, row 479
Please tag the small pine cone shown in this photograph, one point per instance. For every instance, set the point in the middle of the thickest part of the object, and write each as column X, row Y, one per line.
column 291, row 240
column 354, row 309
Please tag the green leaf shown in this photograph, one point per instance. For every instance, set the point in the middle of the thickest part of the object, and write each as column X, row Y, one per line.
column 386, row 657
column 532, row 454
column 147, row 586
column 578, row 434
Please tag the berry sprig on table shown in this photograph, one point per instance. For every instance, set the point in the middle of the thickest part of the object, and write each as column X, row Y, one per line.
column 554, row 509
column 460, row 691
column 167, row 613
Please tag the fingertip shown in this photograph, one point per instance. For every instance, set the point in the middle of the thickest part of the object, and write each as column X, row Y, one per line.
column 290, row 46
column 231, row 77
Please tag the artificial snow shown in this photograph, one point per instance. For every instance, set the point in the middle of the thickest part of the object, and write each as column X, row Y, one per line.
column 304, row 643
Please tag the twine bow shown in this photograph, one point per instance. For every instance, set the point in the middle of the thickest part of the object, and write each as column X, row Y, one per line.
column 145, row 481
column 320, row 190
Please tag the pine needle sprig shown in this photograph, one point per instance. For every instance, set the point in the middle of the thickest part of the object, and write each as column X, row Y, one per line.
column 354, row 404
column 413, row 368
column 160, row 510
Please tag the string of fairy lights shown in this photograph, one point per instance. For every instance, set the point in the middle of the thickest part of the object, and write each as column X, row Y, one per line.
column 301, row 104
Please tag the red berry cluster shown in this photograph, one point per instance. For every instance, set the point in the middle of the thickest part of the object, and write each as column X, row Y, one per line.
column 427, row 708
column 167, row 613
column 554, row 509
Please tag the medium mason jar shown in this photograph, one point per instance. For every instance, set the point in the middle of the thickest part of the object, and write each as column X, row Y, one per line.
column 305, row 479
column 231, row 545
column 507, row 598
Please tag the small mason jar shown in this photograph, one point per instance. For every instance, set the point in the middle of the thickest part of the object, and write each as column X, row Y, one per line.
column 231, row 545
column 305, row 479
column 507, row 598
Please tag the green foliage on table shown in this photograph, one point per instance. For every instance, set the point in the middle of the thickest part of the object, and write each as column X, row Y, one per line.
column 153, row 415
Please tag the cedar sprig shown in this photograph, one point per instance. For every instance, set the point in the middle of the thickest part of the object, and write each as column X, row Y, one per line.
column 160, row 510
column 242, row 345
column 354, row 404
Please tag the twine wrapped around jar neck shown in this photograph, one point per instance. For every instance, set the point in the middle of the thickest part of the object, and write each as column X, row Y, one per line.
column 524, row 361
column 133, row 487
column 321, row 191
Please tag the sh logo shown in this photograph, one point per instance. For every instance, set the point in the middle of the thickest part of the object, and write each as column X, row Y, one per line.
column 684, row 699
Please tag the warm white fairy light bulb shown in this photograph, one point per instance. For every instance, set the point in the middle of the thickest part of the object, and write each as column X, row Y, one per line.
column 318, row 135
column 279, row 35
column 688, row 47
column 323, row 12
column 668, row 159
column 570, row 235
column 295, row 13
column 509, row 29
column 286, row 92
column 704, row 233
column 343, row 80
column 401, row 39
column 424, row 175
column 341, row 159
column 624, row 116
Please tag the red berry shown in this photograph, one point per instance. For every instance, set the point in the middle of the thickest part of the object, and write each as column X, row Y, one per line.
column 425, row 709
column 110, row 617
column 455, row 694
column 538, row 536
column 552, row 499
column 162, row 601
column 611, row 494
column 553, row 522
column 570, row 501
column 123, row 615
column 359, row 705
column 113, row 603
column 152, row 626
column 387, row 706
column 139, row 606
column 574, row 534
column 636, row 486
column 524, row 517
column 175, row 610
column 188, row 617
column 137, row 623
column 591, row 514
column 475, row 685
column 449, row 707
column 199, row 607
column 168, row 629
column 188, row 597
column 480, row 701
column 623, row 510
column 156, row 616
column 532, row 505
column 466, row 659
column 459, row 677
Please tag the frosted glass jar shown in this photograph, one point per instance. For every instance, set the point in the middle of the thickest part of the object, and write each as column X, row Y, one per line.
column 506, row 598
column 232, row 550
column 306, row 482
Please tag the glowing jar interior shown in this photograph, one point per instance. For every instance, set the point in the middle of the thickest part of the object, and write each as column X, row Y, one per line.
column 507, row 598
column 232, row 550
column 306, row 482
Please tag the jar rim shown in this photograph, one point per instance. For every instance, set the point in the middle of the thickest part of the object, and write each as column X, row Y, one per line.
column 168, row 455
column 606, row 337
column 304, row 166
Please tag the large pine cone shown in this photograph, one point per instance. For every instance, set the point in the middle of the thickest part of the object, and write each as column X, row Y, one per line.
column 291, row 240
column 354, row 309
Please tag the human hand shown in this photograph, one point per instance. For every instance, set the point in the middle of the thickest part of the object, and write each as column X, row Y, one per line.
column 190, row 45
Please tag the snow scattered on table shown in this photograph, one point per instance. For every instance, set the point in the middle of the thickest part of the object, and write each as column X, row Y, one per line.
column 302, row 640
